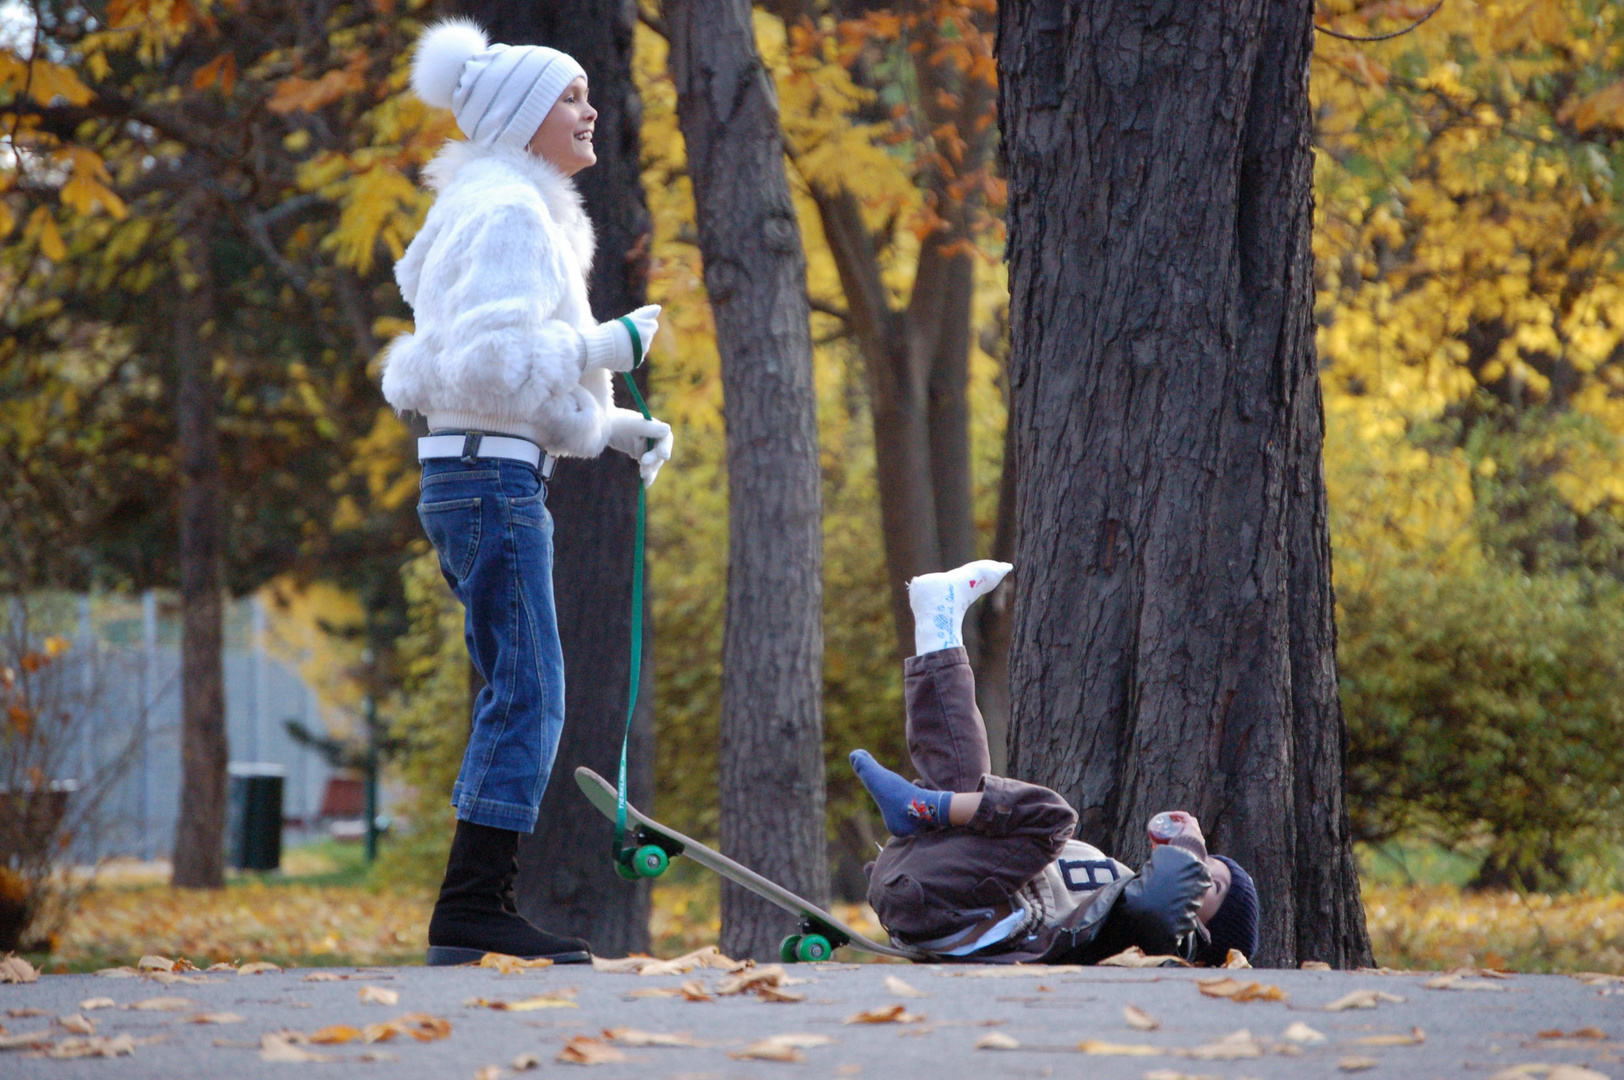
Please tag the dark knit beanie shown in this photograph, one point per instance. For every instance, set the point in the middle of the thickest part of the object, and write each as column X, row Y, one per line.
column 1234, row 924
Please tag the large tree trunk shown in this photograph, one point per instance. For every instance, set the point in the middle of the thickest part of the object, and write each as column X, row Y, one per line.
column 567, row 882
column 772, row 786
column 1173, row 642
column 199, row 858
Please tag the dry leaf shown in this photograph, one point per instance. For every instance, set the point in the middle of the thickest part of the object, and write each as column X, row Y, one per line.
column 164, row 1004
column 559, row 1000
column 335, row 1034
column 421, row 1026
column 1459, row 981
column 277, row 1047
column 1356, row 1064
column 28, row 1012
column 583, row 1050
column 1099, row 1046
column 885, row 1014
column 1236, row 960
column 1174, row 1074
column 773, row 993
column 222, row 966
column 1232, row 1047
column 1415, row 1038
column 1362, row 999
column 170, row 978
column 215, row 1018
column 108, row 973
column 322, row 976
column 77, row 1023
column 378, row 1055
column 525, row 1062
column 1314, row 965
column 378, row 995
column 894, row 985
column 26, row 1039
column 1580, row 1033
column 1235, row 990
column 752, row 979
column 258, row 967
column 1134, row 957
column 488, row 1072
column 1300, row 1032
column 94, row 1046
column 634, row 1037
column 996, row 1040
column 1596, row 978
column 1550, row 1072
column 511, row 965
column 780, row 1048
column 14, row 969
column 1139, row 1018
column 90, row 1004
column 155, row 963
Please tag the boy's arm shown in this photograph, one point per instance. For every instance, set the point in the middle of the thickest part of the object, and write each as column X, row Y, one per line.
column 1157, row 909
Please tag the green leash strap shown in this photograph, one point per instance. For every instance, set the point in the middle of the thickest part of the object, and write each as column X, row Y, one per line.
column 637, row 598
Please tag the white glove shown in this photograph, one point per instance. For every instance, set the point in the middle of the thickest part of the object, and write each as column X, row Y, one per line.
column 629, row 433
column 609, row 345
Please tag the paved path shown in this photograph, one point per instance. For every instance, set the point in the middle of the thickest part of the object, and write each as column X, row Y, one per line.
column 1474, row 1032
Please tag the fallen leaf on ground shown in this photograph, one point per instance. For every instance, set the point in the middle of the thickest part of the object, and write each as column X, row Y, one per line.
column 488, row 1072
column 164, row 1004
column 1581, row 1033
column 378, row 995
column 1459, row 981
column 559, row 1000
column 511, row 965
column 584, row 1050
column 118, row 973
column 1356, row 1064
column 1597, row 978
column 215, row 1018
column 1415, row 1038
column 335, row 1034
column 751, row 979
column 708, row 957
column 1174, row 1074
column 692, row 990
column 1235, row 1046
column 885, row 1014
column 525, row 1062
column 420, row 1026
column 780, row 1048
column 222, row 966
column 379, row 1055
column 1139, row 1018
column 89, row 1004
column 1134, row 957
column 14, row 969
column 894, row 985
column 1300, row 1032
column 773, row 993
column 258, row 967
column 996, row 1040
column 93, row 1046
column 1236, row 960
column 1235, row 990
column 22, row 1014
column 278, row 1048
column 1362, row 999
column 634, row 1037
column 1314, row 965
column 1101, row 1047
column 322, row 976
column 77, row 1023
column 155, row 963
column 24, row 1039
column 170, row 978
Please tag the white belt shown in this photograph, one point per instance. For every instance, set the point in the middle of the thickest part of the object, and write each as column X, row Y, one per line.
column 472, row 445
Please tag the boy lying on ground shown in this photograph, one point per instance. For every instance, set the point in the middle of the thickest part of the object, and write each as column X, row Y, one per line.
column 983, row 868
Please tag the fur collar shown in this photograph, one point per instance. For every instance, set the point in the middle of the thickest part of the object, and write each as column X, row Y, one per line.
column 556, row 189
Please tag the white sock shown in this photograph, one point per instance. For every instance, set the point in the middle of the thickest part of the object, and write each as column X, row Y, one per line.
column 939, row 602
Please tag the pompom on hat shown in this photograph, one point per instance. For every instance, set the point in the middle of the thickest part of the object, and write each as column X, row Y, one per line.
column 499, row 93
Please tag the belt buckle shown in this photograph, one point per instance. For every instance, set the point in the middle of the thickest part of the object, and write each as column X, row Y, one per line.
column 470, row 446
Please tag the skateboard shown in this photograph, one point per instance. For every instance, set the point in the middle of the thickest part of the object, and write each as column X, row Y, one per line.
column 651, row 845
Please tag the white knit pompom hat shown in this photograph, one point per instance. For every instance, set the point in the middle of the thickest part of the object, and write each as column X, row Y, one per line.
column 499, row 93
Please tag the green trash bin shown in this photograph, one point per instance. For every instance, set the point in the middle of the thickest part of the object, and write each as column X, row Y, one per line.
column 254, row 815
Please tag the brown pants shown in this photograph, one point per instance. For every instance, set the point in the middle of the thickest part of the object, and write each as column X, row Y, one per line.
column 943, row 880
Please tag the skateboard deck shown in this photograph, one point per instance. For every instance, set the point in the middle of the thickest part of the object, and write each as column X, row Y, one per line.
column 642, row 829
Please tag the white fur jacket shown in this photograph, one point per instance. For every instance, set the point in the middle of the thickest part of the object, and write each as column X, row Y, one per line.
column 497, row 281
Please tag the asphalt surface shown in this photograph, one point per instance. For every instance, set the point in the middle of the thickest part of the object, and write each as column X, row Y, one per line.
column 1478, row 1028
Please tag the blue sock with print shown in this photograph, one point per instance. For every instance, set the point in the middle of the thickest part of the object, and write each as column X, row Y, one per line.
column 907, row 808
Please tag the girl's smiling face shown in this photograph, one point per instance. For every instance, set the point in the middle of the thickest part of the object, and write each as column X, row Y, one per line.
column 564, row 139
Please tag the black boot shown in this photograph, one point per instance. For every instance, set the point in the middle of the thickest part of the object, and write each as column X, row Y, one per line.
column 475, row 915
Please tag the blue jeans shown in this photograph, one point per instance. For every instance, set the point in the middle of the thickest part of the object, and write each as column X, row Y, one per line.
column 489, row 525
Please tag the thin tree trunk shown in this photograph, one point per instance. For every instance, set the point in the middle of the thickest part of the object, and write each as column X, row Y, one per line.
column 199, row 857
column 772, row 784
column 567, row 882
column 1173, row 642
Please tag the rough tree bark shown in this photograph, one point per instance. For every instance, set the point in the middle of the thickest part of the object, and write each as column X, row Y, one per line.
column 1173, row 643
column 199, row 857
column 567, row 882
column 772, row 785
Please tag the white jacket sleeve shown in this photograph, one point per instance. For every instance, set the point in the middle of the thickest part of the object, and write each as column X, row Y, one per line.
column 498, row 346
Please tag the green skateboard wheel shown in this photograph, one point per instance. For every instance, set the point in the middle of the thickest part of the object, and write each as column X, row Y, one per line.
column 786, row 948
column 624, row 870
column 650, row 861
column 813, row 947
